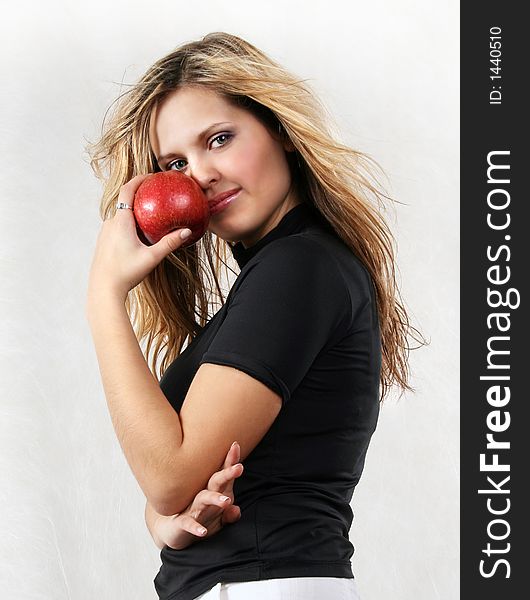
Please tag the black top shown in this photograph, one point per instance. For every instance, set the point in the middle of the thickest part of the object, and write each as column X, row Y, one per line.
column 301, row 318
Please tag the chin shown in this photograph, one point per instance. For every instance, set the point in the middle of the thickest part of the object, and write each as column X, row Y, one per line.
column 230, row 237
column 231, row 229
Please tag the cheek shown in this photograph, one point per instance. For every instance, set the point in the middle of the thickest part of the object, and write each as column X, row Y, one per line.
column 260, row 169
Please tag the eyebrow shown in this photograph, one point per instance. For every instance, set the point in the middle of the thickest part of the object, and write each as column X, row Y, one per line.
column 200, row 137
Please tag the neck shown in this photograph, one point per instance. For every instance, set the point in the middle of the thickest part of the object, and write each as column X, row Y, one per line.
column 292, row 200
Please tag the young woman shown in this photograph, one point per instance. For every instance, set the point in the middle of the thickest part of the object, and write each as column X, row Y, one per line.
column 295, row 361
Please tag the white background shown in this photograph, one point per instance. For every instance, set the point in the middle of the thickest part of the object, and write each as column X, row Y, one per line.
column 71, row 512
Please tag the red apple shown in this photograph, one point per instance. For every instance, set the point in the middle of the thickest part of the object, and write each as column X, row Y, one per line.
column 170, row 200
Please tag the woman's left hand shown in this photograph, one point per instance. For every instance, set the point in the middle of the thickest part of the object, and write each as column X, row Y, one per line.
column 121, row 260
column 208, row 512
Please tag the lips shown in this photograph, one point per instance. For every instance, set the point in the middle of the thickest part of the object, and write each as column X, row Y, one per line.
column 220, row 197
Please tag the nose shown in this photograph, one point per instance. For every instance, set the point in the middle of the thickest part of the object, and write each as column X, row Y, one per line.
column 204, row 173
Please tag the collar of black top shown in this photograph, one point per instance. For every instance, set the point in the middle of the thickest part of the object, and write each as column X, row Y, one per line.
column 294, row 221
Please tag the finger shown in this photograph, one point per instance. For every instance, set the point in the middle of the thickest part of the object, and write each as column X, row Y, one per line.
column 222, row 480
column 210, row 498
column 233, row 456
column 231, row 514
column 189, row 524
column 169, row 243
column 228, row 488
column 128, row 190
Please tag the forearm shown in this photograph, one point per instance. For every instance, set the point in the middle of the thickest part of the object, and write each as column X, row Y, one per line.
column 148, row 428
column 152, row 519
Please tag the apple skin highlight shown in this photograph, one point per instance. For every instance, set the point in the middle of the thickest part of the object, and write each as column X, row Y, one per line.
column 170, row 200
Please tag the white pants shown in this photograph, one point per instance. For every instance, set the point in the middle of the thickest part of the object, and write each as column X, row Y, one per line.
column 291, row 588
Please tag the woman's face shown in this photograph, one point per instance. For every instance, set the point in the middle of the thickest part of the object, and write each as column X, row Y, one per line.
column 225, row 148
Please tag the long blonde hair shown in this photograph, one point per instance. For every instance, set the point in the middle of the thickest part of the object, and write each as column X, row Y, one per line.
column 173, row 302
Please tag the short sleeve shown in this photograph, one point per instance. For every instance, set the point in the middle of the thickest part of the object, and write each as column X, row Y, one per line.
column 283, row 311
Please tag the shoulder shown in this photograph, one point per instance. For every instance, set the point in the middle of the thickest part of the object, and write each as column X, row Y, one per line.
column 295, row 274
column 297, row 258
column 316, row 255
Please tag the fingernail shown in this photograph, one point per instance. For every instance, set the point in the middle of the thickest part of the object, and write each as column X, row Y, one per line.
column 224, row 498
column 185, row 233
column 233, row 444
column 201, row 530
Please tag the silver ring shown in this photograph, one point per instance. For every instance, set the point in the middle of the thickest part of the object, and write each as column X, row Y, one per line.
column 122, row 205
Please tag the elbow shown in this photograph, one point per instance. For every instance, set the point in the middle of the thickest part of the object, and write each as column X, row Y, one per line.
column 172, row 501
column 176, row 489
column 168, row 507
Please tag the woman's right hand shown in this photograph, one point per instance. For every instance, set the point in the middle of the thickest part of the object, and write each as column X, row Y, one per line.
column 121, row 260
column 211, row 508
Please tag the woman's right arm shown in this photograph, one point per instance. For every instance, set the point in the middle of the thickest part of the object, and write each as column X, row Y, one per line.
column 152, row 520
column 209, row 511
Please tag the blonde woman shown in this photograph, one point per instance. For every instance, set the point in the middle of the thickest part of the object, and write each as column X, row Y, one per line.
column 288, row 374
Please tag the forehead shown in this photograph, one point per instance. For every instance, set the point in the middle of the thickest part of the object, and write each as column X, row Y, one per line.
column 185, row 113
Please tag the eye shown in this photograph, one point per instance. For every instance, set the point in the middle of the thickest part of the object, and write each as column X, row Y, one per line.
column 176, row 162
column 222, row 138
